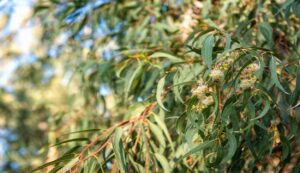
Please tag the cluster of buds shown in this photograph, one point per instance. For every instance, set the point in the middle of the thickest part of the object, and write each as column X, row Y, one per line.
column 248, row 79
column 202, row 93
column 218, row 72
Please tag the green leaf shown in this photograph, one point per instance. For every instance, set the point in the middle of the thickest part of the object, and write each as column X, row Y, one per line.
column 285, row 143
column 163, row 162
column 267, row 32
column 176, row 89
column 59, row 160
column 264, row 111
column 138, row 167
column 207, row 50
column 212, row 24
column 228, row 43
column 159, row 91
column 70, row 140
column 39, row 8
column 68, row 166
column 172, row 58
column 250, row 144
column 163, row 126
column 181, row 123
column 297, row 9
column 120, row 67
column 232, row 146
column 119, row 150
column 274, row 75
column 227, row 110
column 198, row 148
column 131, row 79
column 84, row 131
column 196, row 36
column 296, row 92
column 285, row 5
column 157, row 133
column 177, row 94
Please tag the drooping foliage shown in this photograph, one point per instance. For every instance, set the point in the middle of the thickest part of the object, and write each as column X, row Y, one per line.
column 168, row 86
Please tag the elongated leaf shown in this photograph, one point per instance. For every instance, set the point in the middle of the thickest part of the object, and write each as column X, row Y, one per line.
column 163, row 162
column 285, row 5
column 68, row 166
column 207, row 50
column 212, row 24
column 120, row 67
column 296, row 92
column 250, row 144
column 181, row 123
column 274, row 75
column 226, row 113
column 84, row 131
column 70, row 140
column 267, row 32
column 176, row 89
column 163, row 126
column 59, row 160
column 264, row 111
column 131, row 79
column 158, row 134
column 159, row 91
column 119, row 150
column 285, row 143
column 172, row 58
column 228, row 42
column 138, row 167
column 195, row 150
column 232, row 146
column 297, row 9
column 177, row 94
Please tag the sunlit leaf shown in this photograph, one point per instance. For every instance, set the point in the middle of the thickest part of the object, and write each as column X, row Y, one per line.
column 164, row 162
column 68, row 166
column 119, row 150
column 170, row 57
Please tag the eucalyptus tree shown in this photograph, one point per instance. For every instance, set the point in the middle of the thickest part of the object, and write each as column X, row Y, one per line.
column 172, row 86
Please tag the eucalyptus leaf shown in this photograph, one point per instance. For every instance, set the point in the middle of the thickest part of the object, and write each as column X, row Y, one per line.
column 159, row 92
column 207, row 50
column 119, row 150
column 274, row 75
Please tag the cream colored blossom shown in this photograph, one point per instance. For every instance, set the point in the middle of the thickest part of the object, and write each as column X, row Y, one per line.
column 252, row 68
column 217, row 74
column 207, row 101
column 248, row 78
column 200, row 90
column 248, row 83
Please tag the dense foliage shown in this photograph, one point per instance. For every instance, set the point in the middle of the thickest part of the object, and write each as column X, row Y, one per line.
column 158, row 86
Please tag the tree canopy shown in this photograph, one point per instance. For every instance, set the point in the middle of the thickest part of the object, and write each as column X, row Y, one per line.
column 151, row 86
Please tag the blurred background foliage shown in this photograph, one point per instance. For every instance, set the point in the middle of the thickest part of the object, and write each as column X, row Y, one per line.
column 127, row 77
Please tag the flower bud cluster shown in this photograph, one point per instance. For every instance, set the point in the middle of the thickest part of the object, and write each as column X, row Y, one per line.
column 202, row 93
column 248, row 79
column 218, row 71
